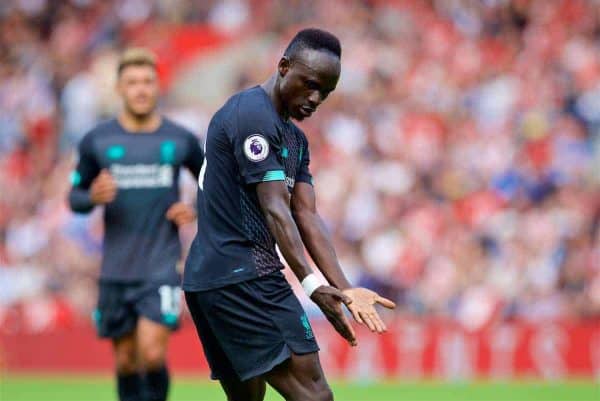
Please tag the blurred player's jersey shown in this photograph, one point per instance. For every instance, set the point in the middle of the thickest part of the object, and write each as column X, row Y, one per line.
column 247, row 143
column 140, row 244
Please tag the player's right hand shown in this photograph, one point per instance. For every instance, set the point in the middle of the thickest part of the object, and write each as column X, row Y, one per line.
column 329, row 300
column 103, row 189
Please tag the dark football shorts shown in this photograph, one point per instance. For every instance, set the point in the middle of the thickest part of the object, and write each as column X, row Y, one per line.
column 247, row 329
column 120, row 305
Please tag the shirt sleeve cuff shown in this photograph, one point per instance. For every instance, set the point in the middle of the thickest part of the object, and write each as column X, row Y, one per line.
column 271, row 175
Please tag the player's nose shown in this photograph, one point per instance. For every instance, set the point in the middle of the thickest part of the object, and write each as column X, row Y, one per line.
column 315, row 99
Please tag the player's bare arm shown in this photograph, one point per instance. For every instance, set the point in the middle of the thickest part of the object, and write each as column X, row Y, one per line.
column 274, row 200
column 319, row 245
column 180, row 212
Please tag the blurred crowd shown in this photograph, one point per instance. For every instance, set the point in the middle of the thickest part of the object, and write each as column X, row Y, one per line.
column 457, row 165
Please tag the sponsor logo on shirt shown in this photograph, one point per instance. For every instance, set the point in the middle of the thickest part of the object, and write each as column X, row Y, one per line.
column 142, row 175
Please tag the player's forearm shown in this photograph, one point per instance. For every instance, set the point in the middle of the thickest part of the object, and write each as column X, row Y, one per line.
column 320, row 247
column 80, row 201
column 284, row 230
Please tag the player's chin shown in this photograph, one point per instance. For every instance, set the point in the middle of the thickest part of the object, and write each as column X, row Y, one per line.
column 299, row 116
column 142, row 113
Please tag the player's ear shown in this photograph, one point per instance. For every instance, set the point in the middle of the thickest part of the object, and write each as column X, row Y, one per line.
column 284, row 66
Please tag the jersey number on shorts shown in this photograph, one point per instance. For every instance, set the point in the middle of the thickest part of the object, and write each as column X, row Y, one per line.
column 170, row 300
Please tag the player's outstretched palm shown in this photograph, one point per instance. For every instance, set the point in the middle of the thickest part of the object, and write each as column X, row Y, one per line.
column 329, row 300
column 363, row 310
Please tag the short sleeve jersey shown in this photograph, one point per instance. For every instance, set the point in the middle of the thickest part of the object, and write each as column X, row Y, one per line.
column 140, row 243
column 247, row 143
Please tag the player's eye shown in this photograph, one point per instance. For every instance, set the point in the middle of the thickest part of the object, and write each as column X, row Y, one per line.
column 312, row 85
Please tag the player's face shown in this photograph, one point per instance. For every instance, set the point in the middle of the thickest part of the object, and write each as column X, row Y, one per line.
column 138, row 87
column 306, row 81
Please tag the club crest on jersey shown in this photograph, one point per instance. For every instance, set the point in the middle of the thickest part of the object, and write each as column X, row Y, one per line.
column 256, row 148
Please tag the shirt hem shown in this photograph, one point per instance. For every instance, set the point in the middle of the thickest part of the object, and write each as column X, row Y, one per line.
column 213, row 285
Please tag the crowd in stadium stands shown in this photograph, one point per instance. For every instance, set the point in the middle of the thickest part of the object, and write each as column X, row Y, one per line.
column 457, row 165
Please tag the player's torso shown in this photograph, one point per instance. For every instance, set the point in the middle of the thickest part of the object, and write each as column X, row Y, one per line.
column 139, row 241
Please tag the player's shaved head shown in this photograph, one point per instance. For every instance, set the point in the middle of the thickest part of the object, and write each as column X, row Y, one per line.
column 313, row 39
column 308, row 72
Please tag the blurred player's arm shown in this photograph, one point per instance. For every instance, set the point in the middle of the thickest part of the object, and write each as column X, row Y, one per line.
column 274, row 201
column 195, row 156
column 90, row 185
column 320, row 247
column 181, row 213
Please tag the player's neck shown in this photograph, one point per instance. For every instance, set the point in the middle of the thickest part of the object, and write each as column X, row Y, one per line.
column 271, row 87
column 135, row 124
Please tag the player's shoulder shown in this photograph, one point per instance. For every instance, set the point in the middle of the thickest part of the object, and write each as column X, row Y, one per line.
column 245, row 103
column 102, row 128
column 253, row 110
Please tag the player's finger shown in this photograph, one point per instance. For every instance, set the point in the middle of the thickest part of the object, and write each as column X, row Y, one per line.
column 104, row 193
column 385, row 302
column 367, row 319
column 350, row 330
column 347, row 329
column 379, row 325
column 356, row 315
column 343, row 326
column 171, row 212
column 105, row 176
column 184, row 218
column 104, row 187
column 176, row 209
column 109, row 197
column 376, row 320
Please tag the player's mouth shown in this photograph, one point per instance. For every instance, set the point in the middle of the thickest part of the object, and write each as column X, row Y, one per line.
column 306, row 111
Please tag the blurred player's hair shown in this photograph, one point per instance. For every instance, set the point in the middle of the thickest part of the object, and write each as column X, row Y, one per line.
column 136, row 56
column 316, row 39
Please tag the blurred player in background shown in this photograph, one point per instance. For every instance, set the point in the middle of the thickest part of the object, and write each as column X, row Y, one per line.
column 255, row 192
column 131, row 165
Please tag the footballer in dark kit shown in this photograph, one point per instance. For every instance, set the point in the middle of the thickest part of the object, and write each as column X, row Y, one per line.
column 256, row 192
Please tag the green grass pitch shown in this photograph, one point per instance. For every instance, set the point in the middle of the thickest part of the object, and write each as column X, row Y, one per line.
column 87, row 388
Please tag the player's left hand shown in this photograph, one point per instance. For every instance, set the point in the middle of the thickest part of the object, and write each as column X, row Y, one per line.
column 363, row 307
column 180, row 213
